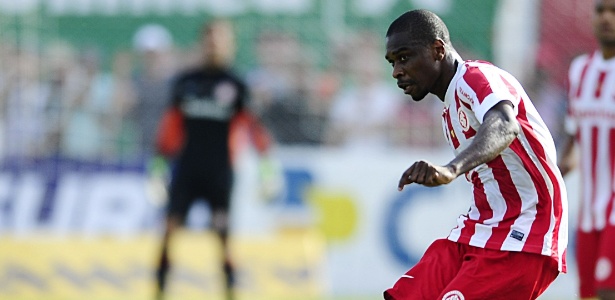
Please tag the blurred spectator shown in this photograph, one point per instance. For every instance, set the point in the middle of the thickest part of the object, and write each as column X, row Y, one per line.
column 153, row 44
column 282, row 89
column 363, row 112
column 89, row 130
column 416, row 125
column 63, row 76
column 26, row 98
column 550, row 101
column 8, row 54
column 127, row 134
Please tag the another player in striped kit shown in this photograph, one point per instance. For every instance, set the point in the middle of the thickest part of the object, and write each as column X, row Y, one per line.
column 512, row 242
column 591, row 122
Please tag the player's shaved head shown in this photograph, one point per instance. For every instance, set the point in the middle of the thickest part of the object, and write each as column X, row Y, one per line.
column 421, row 26
column 218, row 40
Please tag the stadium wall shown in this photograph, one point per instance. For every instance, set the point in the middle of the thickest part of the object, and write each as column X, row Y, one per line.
column 343, row 205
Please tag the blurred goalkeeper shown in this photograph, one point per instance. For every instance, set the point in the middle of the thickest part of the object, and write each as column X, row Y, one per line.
column 199, row 131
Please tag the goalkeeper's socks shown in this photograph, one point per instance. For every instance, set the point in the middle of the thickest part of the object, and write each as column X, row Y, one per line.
column 162, row 273
column 230, row 280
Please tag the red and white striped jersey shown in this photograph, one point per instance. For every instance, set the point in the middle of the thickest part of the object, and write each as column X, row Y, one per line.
column 519, row 198
column 591, row 118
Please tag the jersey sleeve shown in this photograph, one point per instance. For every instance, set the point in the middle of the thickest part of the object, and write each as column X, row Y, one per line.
column 574, row 74
column 570, row 123
column 484, row 87
column 170, row 135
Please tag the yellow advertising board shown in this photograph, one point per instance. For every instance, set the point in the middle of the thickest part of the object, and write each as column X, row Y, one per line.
column 282, row 266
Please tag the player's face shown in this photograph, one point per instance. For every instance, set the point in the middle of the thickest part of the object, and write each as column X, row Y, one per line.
column 218, row 43
column 413, row 65
column 604, row 22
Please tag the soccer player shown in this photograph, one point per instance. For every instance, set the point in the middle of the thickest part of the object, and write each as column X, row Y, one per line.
column 207, row 104
column 591, row 119
column 512, row 242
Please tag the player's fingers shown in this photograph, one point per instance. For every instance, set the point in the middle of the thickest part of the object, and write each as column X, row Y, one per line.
column 421, row 172
column 405, row 178
column 403, row 181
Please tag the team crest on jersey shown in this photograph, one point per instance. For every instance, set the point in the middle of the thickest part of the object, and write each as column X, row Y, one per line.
column 225, row 93
column 463, row 120
column 453, row 295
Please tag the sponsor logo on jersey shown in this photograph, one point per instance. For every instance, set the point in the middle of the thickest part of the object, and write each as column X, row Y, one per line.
column 205, row 108
column 225, row 93
column 453, row 295
column 465, row 95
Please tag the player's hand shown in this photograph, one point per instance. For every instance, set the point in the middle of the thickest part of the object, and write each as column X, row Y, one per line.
column 271, row 178
column 158, row 175
column 427, row 174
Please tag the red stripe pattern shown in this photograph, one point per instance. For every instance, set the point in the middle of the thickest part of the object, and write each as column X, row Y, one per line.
column 609, row 209
column 599, row 84
column 547, row 206
column 511, row 197
column 593, row 165
column 450, row 133
column 480, row 84
column 582, row 78
column 518, row 197
column 591, row 118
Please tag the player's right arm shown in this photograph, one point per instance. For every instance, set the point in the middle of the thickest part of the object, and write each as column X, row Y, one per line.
column 170, row 134
column 567, row 160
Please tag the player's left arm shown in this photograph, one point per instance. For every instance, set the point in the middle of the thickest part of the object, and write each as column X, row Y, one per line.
column 257, row 132
column 498, row 130
column 270, row 173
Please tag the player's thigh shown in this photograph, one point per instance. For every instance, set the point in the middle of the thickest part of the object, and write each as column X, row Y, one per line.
column 181, row 197
column 218, row 196
column 217, row 190
column 220, row 202
column 605, row 263
column 501, row 275
column 430, row 275
column 587, row 248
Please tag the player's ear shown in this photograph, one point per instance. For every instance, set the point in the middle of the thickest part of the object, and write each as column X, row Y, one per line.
column 438, row 50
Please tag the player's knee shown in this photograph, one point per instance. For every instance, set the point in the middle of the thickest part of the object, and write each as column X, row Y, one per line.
column 219, row 221
column 172, row 224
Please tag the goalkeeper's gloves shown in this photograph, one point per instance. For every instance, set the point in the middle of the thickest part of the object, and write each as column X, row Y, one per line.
column 158, row 175
column 271, row 179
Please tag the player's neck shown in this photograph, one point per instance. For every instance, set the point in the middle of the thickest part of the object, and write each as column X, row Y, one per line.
column 450, row 68
column 608, row 52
